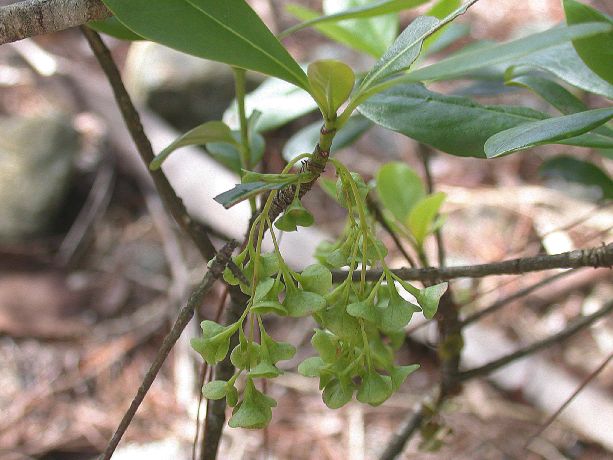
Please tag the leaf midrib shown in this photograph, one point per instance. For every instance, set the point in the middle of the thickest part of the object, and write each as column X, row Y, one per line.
column 253, row 45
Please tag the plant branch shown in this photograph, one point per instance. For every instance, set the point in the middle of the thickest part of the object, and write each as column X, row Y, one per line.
column 36, row 17
column 596, row 257
column 536, row 346
column 399, row 440
column 173, row 203
column 185, row 315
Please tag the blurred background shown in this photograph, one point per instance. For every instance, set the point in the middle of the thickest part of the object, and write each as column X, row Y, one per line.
column 93, row 271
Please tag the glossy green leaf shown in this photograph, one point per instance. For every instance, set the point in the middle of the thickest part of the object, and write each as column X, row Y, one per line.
column 243, row 192
column 311, row 367
column 546, row 131
column 564, row 62
column 336, row 395
column 399, row 188
column 403, row 52
column 374, row 389
column 305, row 139
column 215, row 389
column 111, row 26
column 254, row 411
column 228, row 31
column 331, row 84
column 453, row 124
column 278, row 101
column 595, row 51
column 367, row 10
column 316, row 278
column 578, row 171
column 211, row 131
column 468, row 61
column 429, row 298
column 422, row 216
column 303, row 303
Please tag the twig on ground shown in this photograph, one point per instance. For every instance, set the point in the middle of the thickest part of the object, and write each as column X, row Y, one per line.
column 536, row 346
column 514, row 296
column 396, row 445
column 596, row 257
column 555, row 415
column 184, row 317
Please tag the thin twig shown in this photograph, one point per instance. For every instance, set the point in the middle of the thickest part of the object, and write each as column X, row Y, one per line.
column 425, row 152
column 579, row 389
column 374, row 208
column 409, row 427
column 185, row 315
column 130, row 115
column 514, row 296
column 536, row 346
column 596, row 257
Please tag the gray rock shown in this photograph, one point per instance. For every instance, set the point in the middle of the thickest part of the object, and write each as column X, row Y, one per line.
column 183, row 89
column 36, row 161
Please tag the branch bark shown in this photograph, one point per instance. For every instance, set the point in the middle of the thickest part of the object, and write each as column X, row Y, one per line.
column 36, row 17
column 600, row 256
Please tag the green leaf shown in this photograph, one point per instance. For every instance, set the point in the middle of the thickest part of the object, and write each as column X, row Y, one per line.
column 366, row 311
column 374, row 389
column 579, row 171
column 398, row 312
column 246, row 354
column 400, row 373
column 456, row 125
column 368, row 10
column 399, row 188
column 215, row 341
column 546, row 131
column 595, row 51
column 403, row 52
column 336, row 395
column 265, row 370
column 243, row 192
column 468, row 61
column 311, row 367
column 278, row 101
column 228, row 31
column 111, row 26
column 564, row 62
column 254, row 411
column 278, row 351
column 294, row 216
column 325, row 345
column 211, row 131
column 303, row 303
column 555, row 94
column 215, row 389
column 421, row 217
column 429, row 297
column 439, row 10
column 368, row 35
column 305, row 139
column 337, row 320
column 331, row 84
column 316, row 278
column 229, row 154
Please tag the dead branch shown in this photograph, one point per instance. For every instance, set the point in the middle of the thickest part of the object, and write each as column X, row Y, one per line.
column 600, row 256
column 37, row 17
